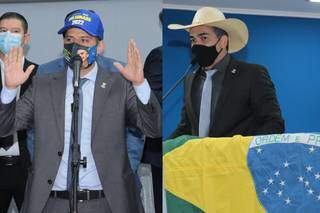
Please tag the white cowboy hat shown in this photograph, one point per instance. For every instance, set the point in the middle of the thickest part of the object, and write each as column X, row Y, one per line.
column 209, row 16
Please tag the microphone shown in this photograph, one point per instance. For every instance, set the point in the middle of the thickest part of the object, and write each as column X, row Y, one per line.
column 76, row 161
column 192, row 66
column 76, row 62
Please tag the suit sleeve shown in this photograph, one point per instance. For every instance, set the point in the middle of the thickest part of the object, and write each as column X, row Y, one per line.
column 153, row 71
column 184, row 126
column 146, row 117
column 265, row 104
column 16, row 116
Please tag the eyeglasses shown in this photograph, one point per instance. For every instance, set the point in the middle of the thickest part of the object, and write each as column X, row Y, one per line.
column 85, row 41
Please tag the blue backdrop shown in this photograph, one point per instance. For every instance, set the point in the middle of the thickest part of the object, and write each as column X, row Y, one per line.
column 288, row 47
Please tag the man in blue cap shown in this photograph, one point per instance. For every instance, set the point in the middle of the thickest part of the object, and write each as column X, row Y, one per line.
column 135, row 139
column 111, row 101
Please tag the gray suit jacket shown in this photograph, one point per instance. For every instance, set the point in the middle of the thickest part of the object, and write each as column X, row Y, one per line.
column 114, row 107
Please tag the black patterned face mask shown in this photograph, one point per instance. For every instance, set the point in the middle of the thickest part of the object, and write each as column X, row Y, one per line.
column 205, row 55
column 70, row 50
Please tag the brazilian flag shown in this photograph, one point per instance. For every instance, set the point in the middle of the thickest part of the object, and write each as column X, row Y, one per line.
column 270, row 173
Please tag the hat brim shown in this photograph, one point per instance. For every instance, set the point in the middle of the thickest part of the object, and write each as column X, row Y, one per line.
column 236, row 29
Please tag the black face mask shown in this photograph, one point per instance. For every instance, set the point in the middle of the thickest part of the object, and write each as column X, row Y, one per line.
column 205, row 55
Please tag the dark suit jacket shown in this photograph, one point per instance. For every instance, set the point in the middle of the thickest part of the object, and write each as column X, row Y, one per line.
column 24, row 161
column 153, row 73
column 246, row 104
column 114, row 107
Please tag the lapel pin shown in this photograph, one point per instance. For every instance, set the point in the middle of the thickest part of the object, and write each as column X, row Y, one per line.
column 234, row 71
column 103, row 85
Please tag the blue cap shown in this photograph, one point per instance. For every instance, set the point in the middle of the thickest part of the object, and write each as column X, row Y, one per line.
column 86, row 20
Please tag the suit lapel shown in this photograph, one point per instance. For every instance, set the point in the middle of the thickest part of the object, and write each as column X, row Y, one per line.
column 102, row 88
column 188, row 99
column 58, row 94
column 228, row 81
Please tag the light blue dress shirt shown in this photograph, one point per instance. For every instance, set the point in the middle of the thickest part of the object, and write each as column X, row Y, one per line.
column 135, row 139
column 88, row 177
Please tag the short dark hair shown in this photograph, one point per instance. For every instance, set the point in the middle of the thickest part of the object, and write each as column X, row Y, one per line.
column 14, row 15
column 219, row 32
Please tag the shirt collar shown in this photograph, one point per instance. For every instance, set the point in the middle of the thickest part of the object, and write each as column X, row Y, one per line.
column 221, row 66
column 91, row 76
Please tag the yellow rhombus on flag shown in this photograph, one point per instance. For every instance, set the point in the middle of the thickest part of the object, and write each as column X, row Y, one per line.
column 211, row 174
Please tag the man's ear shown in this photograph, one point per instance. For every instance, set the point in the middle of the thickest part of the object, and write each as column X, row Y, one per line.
column 25, row 39
column 101, row 47
column 224, row 42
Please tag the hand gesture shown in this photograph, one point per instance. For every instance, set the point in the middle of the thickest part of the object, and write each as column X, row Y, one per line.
column 133, row 71
column 13, row 66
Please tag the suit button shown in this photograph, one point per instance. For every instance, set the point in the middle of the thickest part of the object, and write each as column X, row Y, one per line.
column 50, row 181
column 60, row 153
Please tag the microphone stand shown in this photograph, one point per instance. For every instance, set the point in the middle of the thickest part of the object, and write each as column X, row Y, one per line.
column 191, row 67
column 75, row 146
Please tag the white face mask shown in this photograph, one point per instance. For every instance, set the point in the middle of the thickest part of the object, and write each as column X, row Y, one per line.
column 9, row 40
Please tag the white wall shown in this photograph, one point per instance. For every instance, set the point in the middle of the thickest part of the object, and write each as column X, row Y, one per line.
column 122, row 19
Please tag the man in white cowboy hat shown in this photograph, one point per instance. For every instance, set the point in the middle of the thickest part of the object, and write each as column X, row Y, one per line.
column 225, row 97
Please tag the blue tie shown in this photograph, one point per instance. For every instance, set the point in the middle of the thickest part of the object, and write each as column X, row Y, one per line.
column 69, row 173
column 205, row 106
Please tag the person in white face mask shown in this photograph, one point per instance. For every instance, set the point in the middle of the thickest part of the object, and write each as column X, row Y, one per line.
column 14, row 157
